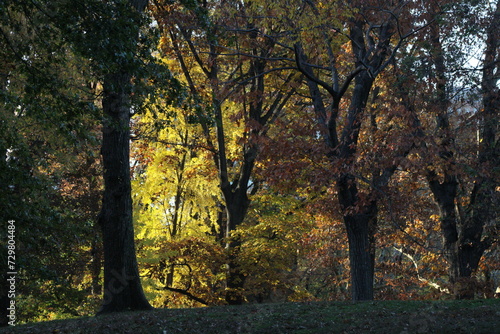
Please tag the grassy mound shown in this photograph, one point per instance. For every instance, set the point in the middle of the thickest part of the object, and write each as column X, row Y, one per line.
column 479, row 316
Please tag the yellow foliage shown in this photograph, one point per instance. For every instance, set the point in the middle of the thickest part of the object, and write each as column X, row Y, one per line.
column 175, row 192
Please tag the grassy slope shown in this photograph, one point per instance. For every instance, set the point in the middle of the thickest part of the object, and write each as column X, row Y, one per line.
column 480, row 316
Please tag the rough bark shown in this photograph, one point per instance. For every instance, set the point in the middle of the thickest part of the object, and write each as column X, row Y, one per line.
column 122, row 285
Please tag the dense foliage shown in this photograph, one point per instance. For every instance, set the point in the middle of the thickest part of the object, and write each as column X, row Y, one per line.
column 279, row 151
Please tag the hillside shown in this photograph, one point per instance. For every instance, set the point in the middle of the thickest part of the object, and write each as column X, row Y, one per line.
column 479, row 316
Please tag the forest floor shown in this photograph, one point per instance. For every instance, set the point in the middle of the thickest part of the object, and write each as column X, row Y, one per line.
column 477, row 316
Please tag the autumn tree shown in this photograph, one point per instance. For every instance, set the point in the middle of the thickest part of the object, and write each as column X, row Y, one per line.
column 109, row 35
column 225, row 65
column 341, row 61
column 177, row 207
column 460, row 142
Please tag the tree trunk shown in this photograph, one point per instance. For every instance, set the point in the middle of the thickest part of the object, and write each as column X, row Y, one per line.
column 360, row 226
column 463, row 245
column 122, row 284
column 359, row 218
column 445, row 194
column 361, row 254
column 236, row 207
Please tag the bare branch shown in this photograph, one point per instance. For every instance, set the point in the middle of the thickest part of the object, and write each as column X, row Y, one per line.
column 187, row 294
column 299, row 60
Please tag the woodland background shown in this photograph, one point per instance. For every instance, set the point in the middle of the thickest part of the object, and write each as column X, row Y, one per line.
column 279, row 151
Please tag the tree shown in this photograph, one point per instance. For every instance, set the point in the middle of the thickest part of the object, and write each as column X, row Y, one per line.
column 462, row 189
column 122, row 285
column 370, row 30
column 464, row 238
column 109, row 35
column 225, row 66
column 47, row 115
column 177, row 207
column 104, row 35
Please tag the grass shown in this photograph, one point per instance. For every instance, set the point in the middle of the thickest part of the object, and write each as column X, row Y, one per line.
column 477, row 316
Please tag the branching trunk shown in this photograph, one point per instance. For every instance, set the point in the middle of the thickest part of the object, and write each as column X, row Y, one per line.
column 359, row 218
column 463, row 239
column 235, row 188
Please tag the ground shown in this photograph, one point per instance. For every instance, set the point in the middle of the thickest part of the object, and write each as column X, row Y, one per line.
column 478, row 316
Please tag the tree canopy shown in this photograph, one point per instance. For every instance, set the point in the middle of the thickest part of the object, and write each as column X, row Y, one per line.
column 188, row 153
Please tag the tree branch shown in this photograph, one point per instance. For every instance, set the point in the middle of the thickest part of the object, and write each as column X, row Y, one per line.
column 188, row 294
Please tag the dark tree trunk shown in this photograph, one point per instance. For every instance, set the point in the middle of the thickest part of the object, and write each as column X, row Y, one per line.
column 445, row 194
column 122, row 284
column 359, row 218
column 237, row 203
column 360, row 227
column 463, row 243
